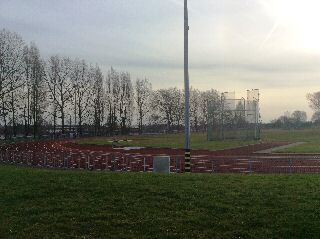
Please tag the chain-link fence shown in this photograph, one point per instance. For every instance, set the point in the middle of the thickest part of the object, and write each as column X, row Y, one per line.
column 235, row 118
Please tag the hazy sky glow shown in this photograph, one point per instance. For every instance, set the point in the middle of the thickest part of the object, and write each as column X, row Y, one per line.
column 273, row 45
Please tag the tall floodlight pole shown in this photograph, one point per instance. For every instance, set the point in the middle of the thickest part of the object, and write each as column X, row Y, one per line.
column 187, row 90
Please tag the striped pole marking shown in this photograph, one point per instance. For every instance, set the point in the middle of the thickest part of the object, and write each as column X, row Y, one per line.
column 187, row 161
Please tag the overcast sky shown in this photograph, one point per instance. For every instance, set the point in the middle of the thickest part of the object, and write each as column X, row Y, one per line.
column 273, row 45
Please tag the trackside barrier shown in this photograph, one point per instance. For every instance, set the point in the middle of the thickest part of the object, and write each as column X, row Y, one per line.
column 161, row 164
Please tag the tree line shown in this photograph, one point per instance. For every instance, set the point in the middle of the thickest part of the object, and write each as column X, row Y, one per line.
column 299, row 119
column 59, row 95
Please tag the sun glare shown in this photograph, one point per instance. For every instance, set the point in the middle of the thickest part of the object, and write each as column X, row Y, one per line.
column 302, row 19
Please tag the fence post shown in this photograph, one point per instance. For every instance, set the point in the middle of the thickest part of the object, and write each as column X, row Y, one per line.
column 212, row 166
column 107, row 163
column 290, row 165
column 45, row 160
column 13, row 157
column 63, row 160
column 88, row 162
column 29, row 159
column 178, row 165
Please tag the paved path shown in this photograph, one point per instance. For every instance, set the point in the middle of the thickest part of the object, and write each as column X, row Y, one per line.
column 276, row 149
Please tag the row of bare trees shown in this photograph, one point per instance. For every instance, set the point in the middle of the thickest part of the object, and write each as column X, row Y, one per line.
column 60, row 95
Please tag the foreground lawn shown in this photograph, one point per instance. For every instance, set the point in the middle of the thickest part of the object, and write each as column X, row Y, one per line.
column 70, row 204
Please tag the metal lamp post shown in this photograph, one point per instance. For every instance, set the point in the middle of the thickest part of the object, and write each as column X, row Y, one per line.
column 187, row 90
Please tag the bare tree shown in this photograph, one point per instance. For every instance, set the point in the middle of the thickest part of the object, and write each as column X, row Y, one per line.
column 98, row 98
column 195, row 109
column 11, row 72
column 316, row 117
column 299, row 116
column 27, row 91
column 314, row 100
column 112, row 98
column 125, row 102
column 143, row 91
column 82, row 88
column 211, row 97
column 60, row 86
column 164, row 101
column 37, row 89
column 178, row 111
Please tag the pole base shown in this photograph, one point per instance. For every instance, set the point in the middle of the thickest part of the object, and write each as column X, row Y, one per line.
column 187, row 161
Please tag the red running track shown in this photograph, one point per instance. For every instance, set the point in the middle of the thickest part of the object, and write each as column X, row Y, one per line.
column 69, row 155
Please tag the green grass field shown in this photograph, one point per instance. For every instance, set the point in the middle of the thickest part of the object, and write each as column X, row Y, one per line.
column 198, row 141
column 71, row 204
column 311, row 137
